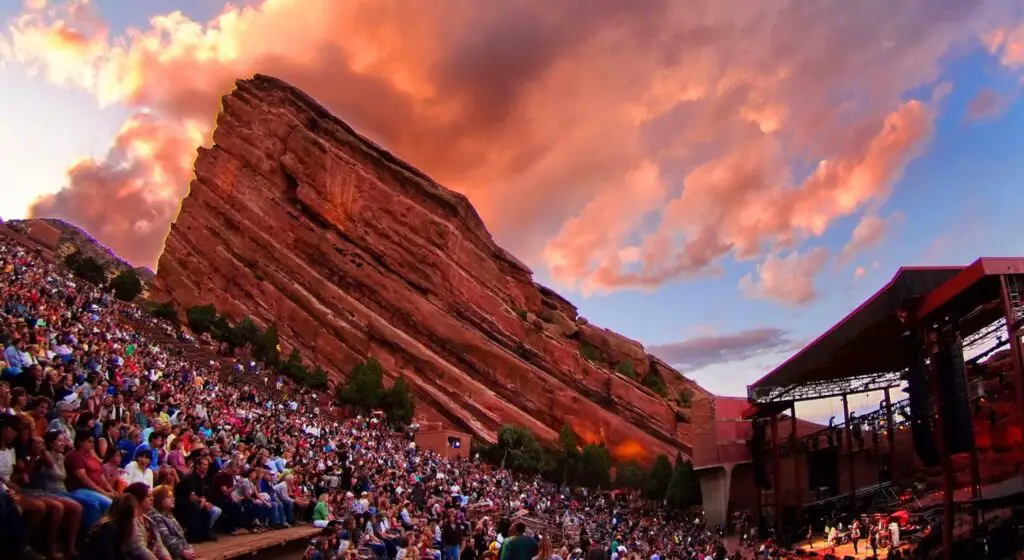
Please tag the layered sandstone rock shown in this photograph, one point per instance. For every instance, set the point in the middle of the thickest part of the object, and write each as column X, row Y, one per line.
column 295, row 218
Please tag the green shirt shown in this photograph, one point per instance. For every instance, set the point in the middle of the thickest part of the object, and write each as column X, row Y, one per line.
column 320, row 511
column 519, row 547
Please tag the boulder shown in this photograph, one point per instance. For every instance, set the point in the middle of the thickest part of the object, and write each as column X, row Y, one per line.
column 295, row 218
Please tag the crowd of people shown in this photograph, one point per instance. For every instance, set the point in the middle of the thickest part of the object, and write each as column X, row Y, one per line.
column 116, row 445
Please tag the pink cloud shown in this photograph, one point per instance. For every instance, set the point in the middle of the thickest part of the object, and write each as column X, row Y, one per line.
column 621, row 145
column 788, row 280
column 868, row 233
column 1008, row 44
column 859, row 273
column 986, row 104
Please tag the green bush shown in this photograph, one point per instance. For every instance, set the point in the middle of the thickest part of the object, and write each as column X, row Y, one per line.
column 245, row 333
column 126, row 285
column 267, row 350
column 654, row 382
column 318, row 379
column 589, row 352
column 364, row 390
column 398, row 403
column 685, row 398
column 657, row 480
column 201, row 318
column 626, row 368
column 629, row 476
column 294, row 368
column 684, row 487
column 165, row 310
column 86, row 268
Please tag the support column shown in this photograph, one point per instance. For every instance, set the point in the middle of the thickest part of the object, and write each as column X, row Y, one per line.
column 776, row 476
column 890, row 435
column 948, row 517
column 1013, row 335
column 798, row 481
column 849, row 452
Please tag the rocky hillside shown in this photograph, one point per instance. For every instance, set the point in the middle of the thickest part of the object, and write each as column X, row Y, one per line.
column 64, row 238
column 295, row 218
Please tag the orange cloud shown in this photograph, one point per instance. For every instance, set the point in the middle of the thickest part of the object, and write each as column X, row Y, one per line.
column 621, row 144
column 859, row 273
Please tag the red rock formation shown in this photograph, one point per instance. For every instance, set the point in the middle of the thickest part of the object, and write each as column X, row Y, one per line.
column 295, row 218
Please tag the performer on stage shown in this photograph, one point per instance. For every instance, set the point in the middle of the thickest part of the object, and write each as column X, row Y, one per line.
column 810, row 537
column 855, row 535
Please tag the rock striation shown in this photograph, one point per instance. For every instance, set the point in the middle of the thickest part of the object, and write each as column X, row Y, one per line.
column 295, row 218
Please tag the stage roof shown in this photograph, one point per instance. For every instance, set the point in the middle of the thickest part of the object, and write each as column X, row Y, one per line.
column 865, row 342
column 868, row 341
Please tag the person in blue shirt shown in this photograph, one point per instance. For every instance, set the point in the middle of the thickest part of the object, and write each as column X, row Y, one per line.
column 128, row 444
column 15, row 362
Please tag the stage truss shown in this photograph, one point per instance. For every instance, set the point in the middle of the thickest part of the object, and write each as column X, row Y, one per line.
column 813, row 390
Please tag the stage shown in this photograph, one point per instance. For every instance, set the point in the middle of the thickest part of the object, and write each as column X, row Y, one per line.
column 820, row 547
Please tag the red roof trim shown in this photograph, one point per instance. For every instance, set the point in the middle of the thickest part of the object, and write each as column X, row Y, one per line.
column 986, row 266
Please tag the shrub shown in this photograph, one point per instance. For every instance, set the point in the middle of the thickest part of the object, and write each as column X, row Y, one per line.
column 626, row 368
column 589, row 352
column 201, row 318
column 246, row 332
column 654, row 382
column 165, row 311
column 267, row 349
column 86, row 268
column 126, row 285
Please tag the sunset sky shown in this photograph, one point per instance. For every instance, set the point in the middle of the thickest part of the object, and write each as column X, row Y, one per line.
column 721, row 180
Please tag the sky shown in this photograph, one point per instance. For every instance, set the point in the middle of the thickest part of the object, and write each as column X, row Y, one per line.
column 719, row 179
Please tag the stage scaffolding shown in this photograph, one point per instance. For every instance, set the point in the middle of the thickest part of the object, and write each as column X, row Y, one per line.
column 981, row 303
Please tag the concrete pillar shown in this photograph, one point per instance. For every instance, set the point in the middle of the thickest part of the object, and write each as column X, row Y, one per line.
column 715, row 483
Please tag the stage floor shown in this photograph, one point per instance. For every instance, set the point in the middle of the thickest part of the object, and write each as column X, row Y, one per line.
column 822, row 548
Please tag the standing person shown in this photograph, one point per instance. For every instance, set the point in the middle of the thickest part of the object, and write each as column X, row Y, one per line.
column 855, row 535
column 873, row 541
column 810, row 537
column 520, row 546
column 451, row 538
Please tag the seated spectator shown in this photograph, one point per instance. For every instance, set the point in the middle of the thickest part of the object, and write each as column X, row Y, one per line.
column 176, row 457
column 146, row 541
column 139, row 471
column 191, row 505
column 65, row 419
column 171, row 533
column 114, row 536
column 39, row 410
column 85, row 480
column 321, row 512
column 41, row 483
column 32, row 512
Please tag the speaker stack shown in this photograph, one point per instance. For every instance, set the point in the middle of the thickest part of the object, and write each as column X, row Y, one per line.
column 757, row 444
column 922, row 409
column 954, row 395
